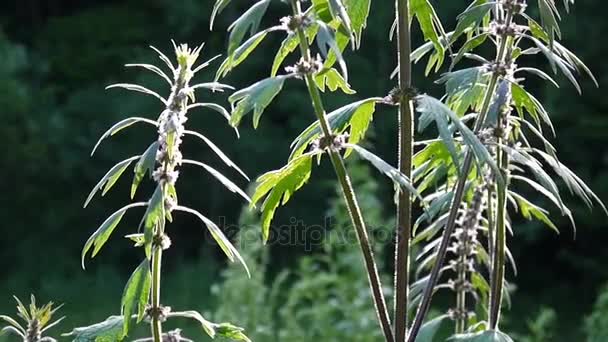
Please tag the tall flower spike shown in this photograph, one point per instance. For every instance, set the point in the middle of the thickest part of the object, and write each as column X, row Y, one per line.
column 141, row 297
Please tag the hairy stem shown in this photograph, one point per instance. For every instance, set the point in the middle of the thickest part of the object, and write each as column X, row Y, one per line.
column 458, row 195
column 156, row 325
column 461, row 305
column 498, row 262
column 405, row 152
column 348, row 191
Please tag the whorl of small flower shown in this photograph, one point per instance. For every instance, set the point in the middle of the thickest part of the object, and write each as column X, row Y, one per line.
column 293, row 23
column 172, row 119
column 305, row 67
column 465, row 236
column 334, row 142
column 514, row 6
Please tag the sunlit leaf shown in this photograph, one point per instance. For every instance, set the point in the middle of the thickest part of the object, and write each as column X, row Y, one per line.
column 110, row 178
column 249, row 21
column 119, row 126
column 278, row 186
column 483, row 336
column 255, row 98
column 109, row 330
column 218, row 236
column 144, row 165
column 101, row 235
column 136, row 294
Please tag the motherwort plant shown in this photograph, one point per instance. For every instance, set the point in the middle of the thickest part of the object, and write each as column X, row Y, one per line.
column 162, row 161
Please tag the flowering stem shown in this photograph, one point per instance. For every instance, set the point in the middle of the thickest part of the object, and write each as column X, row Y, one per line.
column 458, row 193
column 405, row 151
column 347, row 190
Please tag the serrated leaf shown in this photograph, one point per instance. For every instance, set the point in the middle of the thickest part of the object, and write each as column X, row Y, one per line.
column 472, row 17
column 255, row 98
column 431, row 28
column 278, row 186
column 430, row 106
column 232, row 332
column 240, row 54
column 358, row 11
column 208, row 327
column 429, row 329
column 529, row 210
column 483, row 336
column 249, row 21
column 333, row 80
column 357, row 116
column 110, row 178
column 326, row 41
column 120, row 126
column 109, row 330
column 145, row 165
column 101, row 235
column 136, row 295
column 289, row 44
column 219, row 237
column 338, row 10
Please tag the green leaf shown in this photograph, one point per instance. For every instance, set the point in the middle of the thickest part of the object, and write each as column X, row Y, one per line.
column 109, row 330
column 208, row 327
column 249, row 21
column 398, row 178
column 431, row 29
column 101, row 235
column 240, row 54
column 548, row 18
column 12, row 322
column 218, row 7
column 278, row 186
column 338, row 10
column 333, row 80
column 219, row 176
column 289, row 44
column 430, row 106
column 217, row 151
column 145, row 164
column 136, row 295
column 110, row 178
column 358, row 11
column 429, row 329
column 463, row 88
column 483, row 336
column 472, row 17
column 357, row 116
column 152, row 217
column 529, row 210
column 120, row 126
column 232, row 332
column 218, row 236
column 326, row 39
column 255, row 98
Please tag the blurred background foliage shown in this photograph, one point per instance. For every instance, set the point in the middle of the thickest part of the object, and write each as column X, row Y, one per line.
column 57, row 56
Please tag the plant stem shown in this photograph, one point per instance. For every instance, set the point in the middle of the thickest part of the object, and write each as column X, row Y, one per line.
column 461, row 297
column 157, row 330
column 498, row 262
column 348, row 191
column 405, row 152
column 458, row 196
